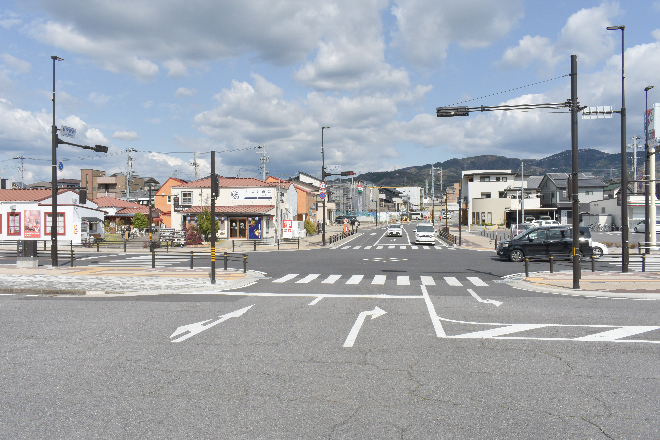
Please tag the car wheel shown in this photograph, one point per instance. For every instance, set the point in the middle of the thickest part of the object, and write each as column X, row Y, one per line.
column 516, row 255
column 598, row 252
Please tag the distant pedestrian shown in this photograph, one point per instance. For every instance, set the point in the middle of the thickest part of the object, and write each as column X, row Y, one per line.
column 357, row 225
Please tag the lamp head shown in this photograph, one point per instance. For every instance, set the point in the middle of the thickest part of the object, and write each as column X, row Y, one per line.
column 56, row 58
column 646, row 89
column 614, row 28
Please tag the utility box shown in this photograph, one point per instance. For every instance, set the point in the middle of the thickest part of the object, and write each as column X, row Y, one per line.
column 27, row 248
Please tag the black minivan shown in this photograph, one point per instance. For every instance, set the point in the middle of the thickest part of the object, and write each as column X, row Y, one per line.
column 544, row 241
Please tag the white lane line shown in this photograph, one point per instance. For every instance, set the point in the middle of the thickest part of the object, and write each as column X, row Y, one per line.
column 346, row 247
column 403, row 280
column 500, row 331
column 617, row 333
column 318, row 298
column 286, row 278
column 379, row 247
column 452, row 281
column 428, row 281
column 357, row 247
column 435, row 320
column 331, row 279
column 355, row 279
column 477, row 281
column 487, row 301
column 368, row 247
column 308, row 278
column 413, row 247
column 402, row 247
column 379, row 279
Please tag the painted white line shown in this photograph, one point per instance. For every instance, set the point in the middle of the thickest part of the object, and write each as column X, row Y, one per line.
column 391, row 247
column 352, row 335
column 368, row 247
column 435, row 320
column 428, row 281
column 308, row 278
column 318, row 298
column 488, row 301
column 402, row 247
column 403, row 280
column 8, row 294
column 331, row 279
column 500, row 331
column 198, row 327
column 286, row 278
column 357, row 247
column 379, row 247
column 355, row 279
column 477, row 281
column 452, row 281
column 379, row 279
column 617, row 333
column 300, row 295
column 346, row 247
column 413, row 247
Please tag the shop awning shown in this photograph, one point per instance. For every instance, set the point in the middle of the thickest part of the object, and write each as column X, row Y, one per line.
column 92, row 219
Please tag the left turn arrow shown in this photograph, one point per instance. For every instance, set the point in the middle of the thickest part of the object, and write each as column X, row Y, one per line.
column 199, row 327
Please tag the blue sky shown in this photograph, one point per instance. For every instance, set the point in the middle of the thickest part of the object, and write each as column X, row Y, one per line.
column 170, row 79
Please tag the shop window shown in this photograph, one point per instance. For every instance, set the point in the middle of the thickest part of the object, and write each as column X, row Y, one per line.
column 187, row 198
column 13, row 223
column 60, row 223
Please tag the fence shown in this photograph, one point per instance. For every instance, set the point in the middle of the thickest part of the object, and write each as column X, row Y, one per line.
column 551, row 260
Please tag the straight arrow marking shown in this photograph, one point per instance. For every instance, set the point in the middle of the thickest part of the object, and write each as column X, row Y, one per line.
column 199, row 327
column 488, row 301
column 352, row 335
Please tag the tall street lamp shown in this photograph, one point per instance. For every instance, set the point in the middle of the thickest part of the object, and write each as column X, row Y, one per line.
column 649, row 176
column 323, row 180
column 53, row 214
column 625, row 252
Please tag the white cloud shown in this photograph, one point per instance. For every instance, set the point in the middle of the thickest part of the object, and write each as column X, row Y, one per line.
column 176, row 68
column 166, row 159
column 14, row 64
column 9, row 19
column 125, row 135
column 656, row 34
column 584, row 35
column 98, row 98
column 183, row 92
column 147, row 104
column 426, row 28
column 153, row 120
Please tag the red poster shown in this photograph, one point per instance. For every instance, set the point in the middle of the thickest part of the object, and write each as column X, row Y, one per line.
column 32, row 224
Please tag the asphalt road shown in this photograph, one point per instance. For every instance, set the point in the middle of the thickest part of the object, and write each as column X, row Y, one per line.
column 352, row 342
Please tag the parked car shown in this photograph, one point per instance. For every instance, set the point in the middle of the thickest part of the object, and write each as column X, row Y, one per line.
column 424, row 233
column 543, row 241
column 519, row 228
column 641, row 227
column 599, row 249
column 395, row 230
column 543, row 222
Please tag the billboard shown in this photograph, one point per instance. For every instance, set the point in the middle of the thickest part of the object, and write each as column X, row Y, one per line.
column 651, row 121
column 32, row 225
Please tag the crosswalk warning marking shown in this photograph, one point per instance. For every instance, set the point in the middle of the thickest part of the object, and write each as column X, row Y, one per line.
column 355, row 279
column 286, row 278
column 452, row 281
column 379, row 279
column 413, row 247
column 368, row 247
column 428, row 281
column 617, row 333
column 403, row 280
column 331, row 279
column 308, row 278
column 379, row 247
column 357, row 247
column 477, row 282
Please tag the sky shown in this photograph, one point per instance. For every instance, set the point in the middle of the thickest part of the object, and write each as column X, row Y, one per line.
column 178, row 79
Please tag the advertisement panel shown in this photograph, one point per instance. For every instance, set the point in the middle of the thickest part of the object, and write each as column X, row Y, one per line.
column 254, row 228
column 32, row 225
column 287, row 228
column 252, row 194
column 652, row 121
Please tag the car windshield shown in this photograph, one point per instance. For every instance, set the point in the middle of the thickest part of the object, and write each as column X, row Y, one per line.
column 395, row 226
column 425, row 228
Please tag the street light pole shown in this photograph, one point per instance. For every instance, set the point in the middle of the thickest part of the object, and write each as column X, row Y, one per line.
column 53, row 214
column 625, row 252
column 647, row 175
column 323, row 180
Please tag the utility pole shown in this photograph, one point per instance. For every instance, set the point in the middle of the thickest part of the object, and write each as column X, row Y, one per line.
column 264, row 159
column 650, row 182
column 522, row 190
column 129, row 167
column 195, row 164
column 634, row 148
column 21, row 158
column 214, row 193
column 432, row 196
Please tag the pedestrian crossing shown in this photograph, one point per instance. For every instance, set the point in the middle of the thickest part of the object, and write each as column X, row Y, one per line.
column 379, row 280
column 393, row 246
column 635, row 262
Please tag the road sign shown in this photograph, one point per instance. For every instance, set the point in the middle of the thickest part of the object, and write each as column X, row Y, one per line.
column 68, row 131
column 334, row 168
column 60, row 166
column 322, row 195
column 322, row 186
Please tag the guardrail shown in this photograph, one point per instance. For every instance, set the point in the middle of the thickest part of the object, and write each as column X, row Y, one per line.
column 444, row 234
column 582, row 258
column 340, row 236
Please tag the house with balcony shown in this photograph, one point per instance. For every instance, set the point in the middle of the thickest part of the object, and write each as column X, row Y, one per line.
column 555, row 194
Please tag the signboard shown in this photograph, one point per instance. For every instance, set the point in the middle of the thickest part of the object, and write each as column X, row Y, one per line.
column 60, row 166
column 652, row 121
column 252, row 194
column 32, row 226
column 287, row 228
column 360, row 188
column 334, row 168
column 254, row 228
column 68, row 131
column 322, row 195
column 322, row 186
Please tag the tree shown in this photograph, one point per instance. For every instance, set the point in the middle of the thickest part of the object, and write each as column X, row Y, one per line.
column 204, row 221
column 310, row 227
column 140, row 221
column 193, row 235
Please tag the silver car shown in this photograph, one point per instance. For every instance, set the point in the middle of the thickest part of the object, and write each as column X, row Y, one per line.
column 424, row 233
column 394, row 230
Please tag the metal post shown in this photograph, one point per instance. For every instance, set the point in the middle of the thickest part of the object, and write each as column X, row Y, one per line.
column 574, row 174
column 151, row 237
column 153, row 258
column 244, row 263
column 226, row 260
column 323, row 180
column 643, row 262
column 191, row 259
column 593, row 263
column 552, row 265
column 71, row 253
column 97, row 246
column 214, row 187
column 53, row 214
column 526, row 267
column 254, row 243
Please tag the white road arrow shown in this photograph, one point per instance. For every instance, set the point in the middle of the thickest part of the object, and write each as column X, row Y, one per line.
column 487, row 301
column 199, row 327
column 375, row 313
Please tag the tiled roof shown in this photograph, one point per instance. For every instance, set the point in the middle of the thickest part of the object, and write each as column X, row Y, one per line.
column 140, row 208
column 27, row 195
column 227, row 182
column 240, row 209
column 111, row 202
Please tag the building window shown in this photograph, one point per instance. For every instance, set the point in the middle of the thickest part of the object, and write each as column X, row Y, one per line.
column 187, row 198
column 484, row 179
column 169, row 200
column 485, row 195
column 497, row 179
column 589, row 193
column 504, row 179
column 60, row 223
column 602, row 210
column 13, row 223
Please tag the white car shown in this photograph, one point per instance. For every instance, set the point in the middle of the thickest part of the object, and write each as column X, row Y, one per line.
column 424, row 233
column 395, row 230
column 599, row 249
column 641, row 227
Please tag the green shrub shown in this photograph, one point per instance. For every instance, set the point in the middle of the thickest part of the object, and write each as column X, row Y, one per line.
column 310, row 227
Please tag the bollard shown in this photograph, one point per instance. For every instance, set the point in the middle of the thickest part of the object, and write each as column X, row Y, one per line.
column 225, row 260
column 191, row 259
column 124, row 246
column 153, row 258
column 643, row 262
column 593, row 263
column 299, row 242
column 44, row 244
column 232, row 245
column 278, row 244
column 244, row 263
column 72, row 254
column 495, row 243
column 167, row 247
column 97, row 246
column 526, row 267
column 552, row 264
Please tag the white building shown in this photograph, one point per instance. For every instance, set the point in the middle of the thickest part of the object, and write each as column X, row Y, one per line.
column 487, row 184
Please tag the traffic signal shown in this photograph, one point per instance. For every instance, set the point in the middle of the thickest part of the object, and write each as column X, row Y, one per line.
column 100, row 148
column 347, row 173
column 214, row 186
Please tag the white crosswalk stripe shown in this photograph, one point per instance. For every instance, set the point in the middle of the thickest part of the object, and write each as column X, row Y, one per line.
column 437, row 246
column 380, row 280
